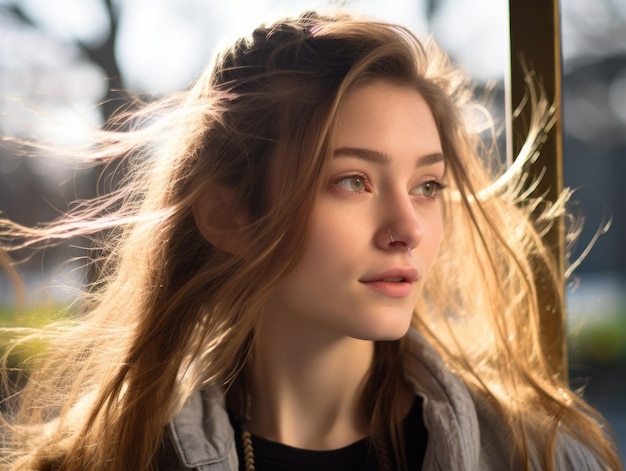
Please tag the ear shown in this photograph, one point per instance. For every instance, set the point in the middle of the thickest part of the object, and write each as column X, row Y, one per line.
column 218, row 218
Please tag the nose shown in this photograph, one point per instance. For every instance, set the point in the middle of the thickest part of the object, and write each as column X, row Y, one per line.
column 402, row 228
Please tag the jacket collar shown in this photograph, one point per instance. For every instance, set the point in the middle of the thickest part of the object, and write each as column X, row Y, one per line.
column 203, row 436
column 449, row 408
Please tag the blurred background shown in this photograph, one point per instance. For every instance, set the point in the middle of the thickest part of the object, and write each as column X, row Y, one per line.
column 64, row 66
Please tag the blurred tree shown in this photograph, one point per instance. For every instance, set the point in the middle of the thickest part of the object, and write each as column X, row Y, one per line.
column 27, row 192
column 101, row 53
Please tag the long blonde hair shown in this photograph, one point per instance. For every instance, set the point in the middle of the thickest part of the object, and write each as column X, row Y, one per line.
column 171, row 314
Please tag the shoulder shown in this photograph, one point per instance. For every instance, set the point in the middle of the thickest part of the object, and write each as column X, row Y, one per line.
column 200, row 437
column 497, row 443
column 466, row 430
column 449, row 412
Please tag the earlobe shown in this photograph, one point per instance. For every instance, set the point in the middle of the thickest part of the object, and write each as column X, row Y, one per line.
column 218, row 218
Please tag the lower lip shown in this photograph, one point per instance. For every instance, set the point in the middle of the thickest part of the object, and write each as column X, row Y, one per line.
column 392, row 289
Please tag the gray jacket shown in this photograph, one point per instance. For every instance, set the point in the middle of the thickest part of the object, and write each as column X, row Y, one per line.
column 465, row 433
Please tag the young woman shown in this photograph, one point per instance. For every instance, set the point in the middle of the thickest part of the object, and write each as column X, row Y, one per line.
column 307, row 268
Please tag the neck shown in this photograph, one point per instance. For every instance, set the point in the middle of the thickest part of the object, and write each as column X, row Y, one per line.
column 306, row 383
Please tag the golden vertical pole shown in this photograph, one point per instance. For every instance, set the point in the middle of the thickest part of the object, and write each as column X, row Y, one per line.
column 536, row 41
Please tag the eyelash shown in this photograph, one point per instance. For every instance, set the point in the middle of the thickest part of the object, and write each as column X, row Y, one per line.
column 438, row 186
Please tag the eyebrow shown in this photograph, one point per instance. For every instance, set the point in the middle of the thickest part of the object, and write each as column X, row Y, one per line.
column 383, row 159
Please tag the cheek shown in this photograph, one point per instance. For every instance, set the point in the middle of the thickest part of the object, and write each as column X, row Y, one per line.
column 435, row 238
column 333, row 227
column 329, row 241
column 322, row 243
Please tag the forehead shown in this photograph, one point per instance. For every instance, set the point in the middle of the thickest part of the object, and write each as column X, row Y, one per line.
column 385, row 116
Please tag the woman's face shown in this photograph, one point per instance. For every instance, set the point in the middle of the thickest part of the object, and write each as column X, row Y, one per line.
column 377, row 223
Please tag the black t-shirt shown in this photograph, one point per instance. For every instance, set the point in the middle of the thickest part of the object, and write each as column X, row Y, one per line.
column 273, row 456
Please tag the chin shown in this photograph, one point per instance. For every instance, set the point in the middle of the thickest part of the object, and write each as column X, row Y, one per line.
column 384, row 333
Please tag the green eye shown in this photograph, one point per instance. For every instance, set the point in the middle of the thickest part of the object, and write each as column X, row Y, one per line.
column 354, row 183
column 430, row 189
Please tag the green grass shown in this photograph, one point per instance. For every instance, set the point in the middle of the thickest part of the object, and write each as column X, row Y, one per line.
column 601, row 342
column 15, row 323
column 32, row 316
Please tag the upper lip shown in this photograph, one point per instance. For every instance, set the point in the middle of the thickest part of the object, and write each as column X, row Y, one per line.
column 408, row 274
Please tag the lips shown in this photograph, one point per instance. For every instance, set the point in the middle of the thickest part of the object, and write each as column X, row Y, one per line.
column 394, row 279
column 393, row 275
column 395, row 283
